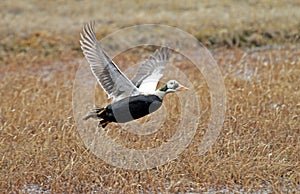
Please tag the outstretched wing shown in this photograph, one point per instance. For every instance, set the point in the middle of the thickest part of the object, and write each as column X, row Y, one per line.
column 151, row 70
column 112, row 80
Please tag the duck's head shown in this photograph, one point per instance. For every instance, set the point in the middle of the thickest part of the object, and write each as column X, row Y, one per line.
column 170, row 86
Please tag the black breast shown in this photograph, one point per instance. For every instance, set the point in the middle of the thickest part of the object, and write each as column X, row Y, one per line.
column 131, row 108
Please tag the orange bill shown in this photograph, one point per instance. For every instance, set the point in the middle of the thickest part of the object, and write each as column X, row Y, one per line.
column 182, row 88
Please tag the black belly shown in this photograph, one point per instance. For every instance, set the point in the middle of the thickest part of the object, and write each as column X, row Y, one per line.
column 131, row 108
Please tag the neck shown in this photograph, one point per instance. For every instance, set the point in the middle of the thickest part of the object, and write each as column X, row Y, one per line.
column 160, row 94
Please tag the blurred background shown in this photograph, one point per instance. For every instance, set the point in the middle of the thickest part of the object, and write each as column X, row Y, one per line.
column 214, row 23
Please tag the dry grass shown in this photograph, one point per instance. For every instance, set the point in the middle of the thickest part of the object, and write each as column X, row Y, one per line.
column 41, row 150
column 257, row 149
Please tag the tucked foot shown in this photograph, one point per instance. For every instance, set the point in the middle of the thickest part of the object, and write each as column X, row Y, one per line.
column 103, row 123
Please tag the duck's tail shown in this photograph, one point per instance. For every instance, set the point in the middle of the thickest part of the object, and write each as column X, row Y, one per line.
column 95, row 114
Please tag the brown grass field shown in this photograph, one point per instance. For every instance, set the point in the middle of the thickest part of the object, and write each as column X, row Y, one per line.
column 256, row 45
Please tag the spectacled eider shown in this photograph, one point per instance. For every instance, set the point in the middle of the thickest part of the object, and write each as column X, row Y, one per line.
column 130, row 99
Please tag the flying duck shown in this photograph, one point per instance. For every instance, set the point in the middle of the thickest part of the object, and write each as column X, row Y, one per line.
column 130, row 99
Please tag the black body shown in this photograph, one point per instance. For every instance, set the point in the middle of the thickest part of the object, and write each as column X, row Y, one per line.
column 127, row 109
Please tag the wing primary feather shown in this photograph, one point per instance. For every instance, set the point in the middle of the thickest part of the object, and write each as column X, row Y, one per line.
column 111, row 79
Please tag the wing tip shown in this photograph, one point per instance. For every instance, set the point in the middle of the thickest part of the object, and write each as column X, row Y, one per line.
column 162, row 54
column 89, row 24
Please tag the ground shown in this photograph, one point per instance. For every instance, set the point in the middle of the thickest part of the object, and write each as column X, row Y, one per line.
column 256, row 45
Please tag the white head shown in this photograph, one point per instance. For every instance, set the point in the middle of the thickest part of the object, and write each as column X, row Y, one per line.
column 170, row 86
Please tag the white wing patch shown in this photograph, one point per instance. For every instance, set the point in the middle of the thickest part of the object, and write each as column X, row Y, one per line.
column 151, row 70
column 149, row 84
